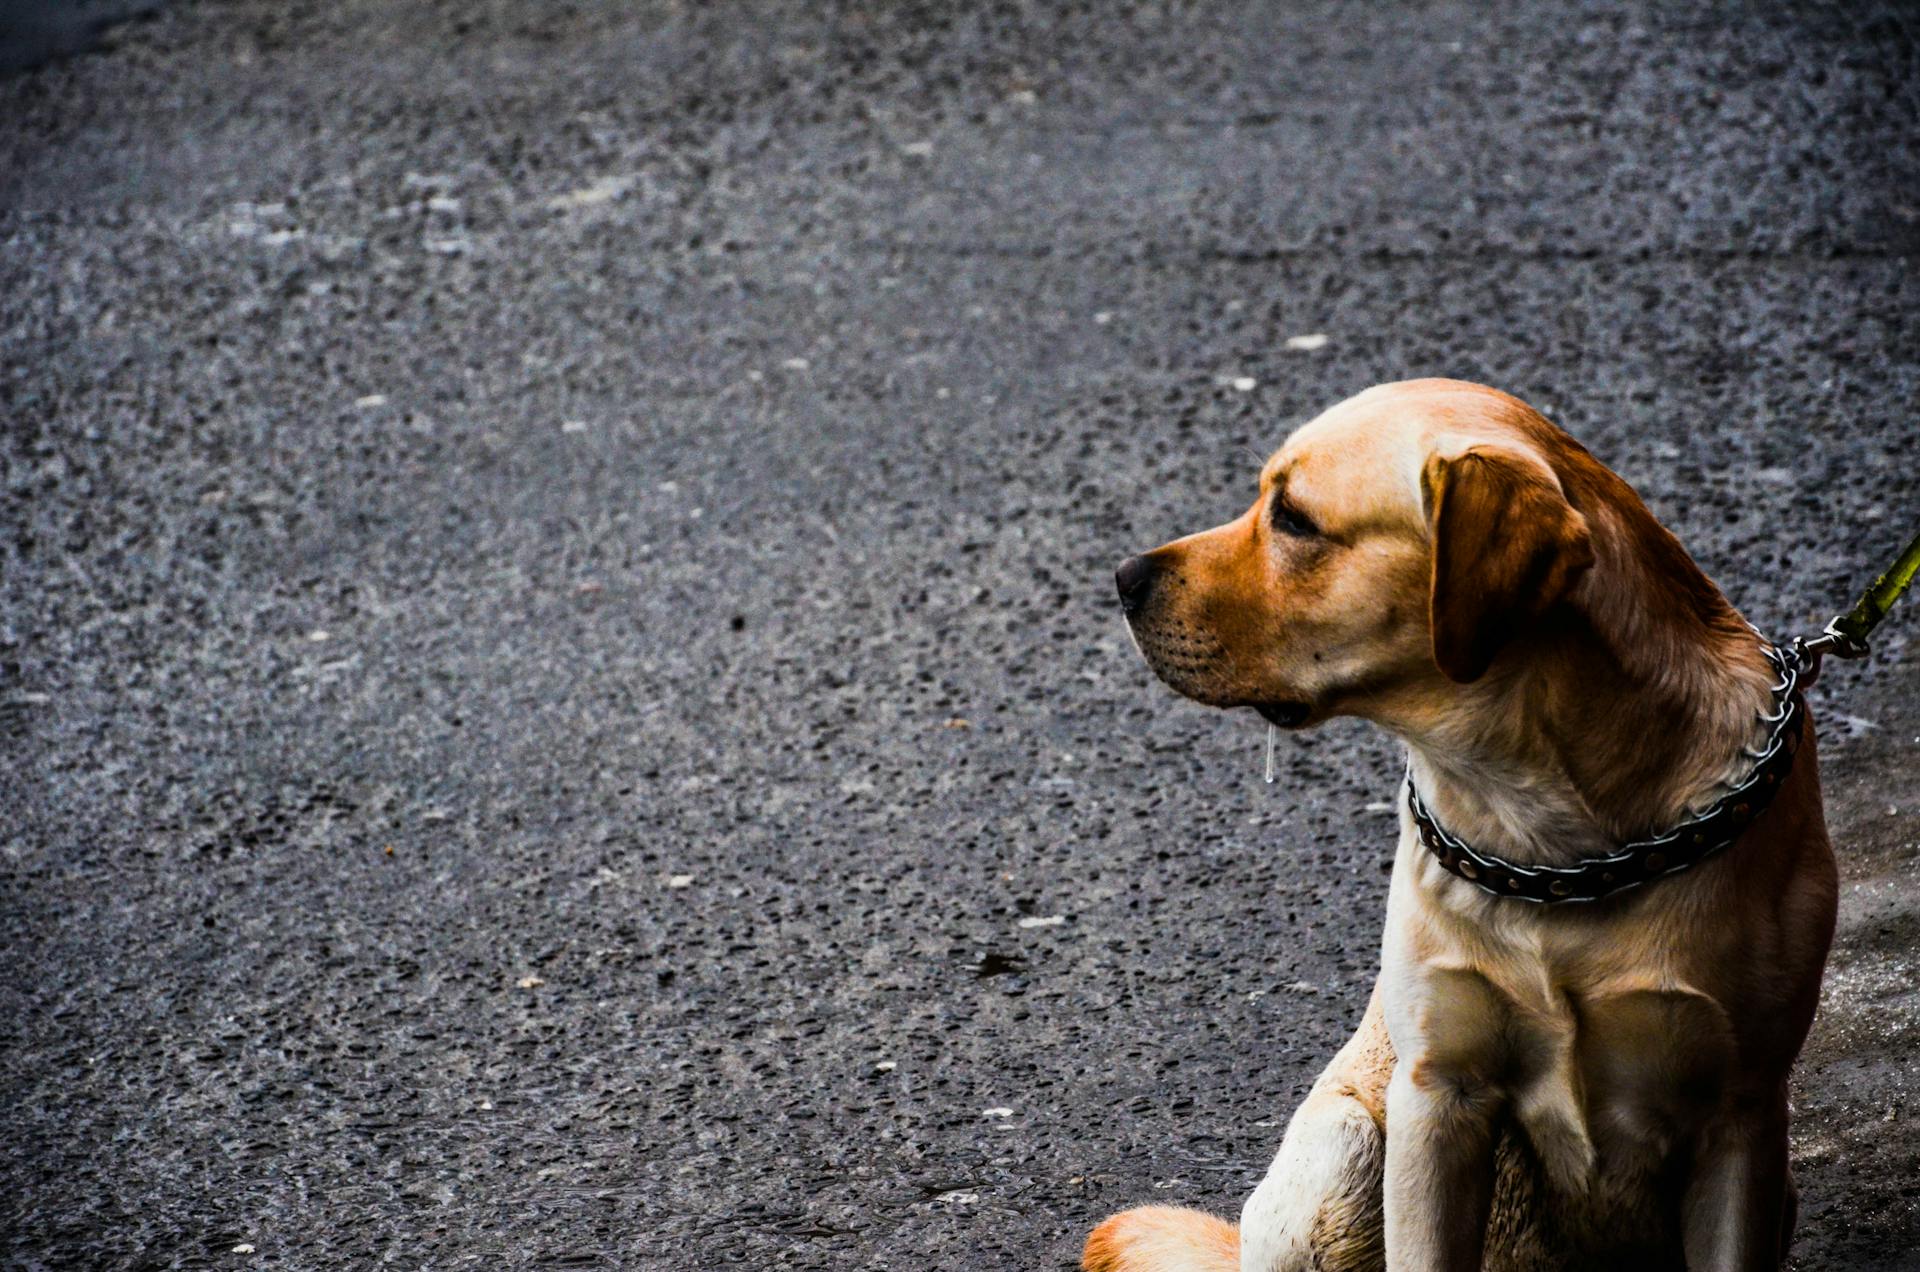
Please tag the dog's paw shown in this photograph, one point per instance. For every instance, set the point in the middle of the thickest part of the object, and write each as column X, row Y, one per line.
column 1163, row 1239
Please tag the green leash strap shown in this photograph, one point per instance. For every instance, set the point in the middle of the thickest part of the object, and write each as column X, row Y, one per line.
column 1858, row 623
column 1846, row 636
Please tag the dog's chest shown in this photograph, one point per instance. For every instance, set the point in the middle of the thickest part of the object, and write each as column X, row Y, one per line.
column 1607, row 1076
column 1604, row 1076
column 1607, row 1095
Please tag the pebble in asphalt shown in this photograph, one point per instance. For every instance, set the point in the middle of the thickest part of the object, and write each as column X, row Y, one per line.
column 556, row 653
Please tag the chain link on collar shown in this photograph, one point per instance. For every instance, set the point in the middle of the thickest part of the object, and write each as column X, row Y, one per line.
column 1644, row 860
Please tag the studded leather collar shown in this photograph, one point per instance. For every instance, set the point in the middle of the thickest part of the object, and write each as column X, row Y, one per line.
column 1644, row 860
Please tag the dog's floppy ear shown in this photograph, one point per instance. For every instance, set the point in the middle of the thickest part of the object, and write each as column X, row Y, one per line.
column 1507, row 546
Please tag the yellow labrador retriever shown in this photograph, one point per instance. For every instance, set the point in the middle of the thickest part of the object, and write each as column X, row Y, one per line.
column 1613, row 893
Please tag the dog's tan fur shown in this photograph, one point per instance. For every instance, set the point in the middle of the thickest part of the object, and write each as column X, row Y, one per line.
column 1530, row 1087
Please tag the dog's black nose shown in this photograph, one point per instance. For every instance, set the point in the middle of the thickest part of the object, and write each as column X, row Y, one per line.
column 1134, row 579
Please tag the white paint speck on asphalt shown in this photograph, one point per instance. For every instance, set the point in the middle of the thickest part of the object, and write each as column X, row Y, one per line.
column 1035, row 921
column 605, row 190
column 1245, row 383
column 1307, row 343
column 679, row 881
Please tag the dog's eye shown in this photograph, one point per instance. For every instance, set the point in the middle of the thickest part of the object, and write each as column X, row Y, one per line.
column 1288, row 519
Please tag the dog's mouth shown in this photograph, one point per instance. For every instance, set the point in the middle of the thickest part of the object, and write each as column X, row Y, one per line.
column 1287, row 715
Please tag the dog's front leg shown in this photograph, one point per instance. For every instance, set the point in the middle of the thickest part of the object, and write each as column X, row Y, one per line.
column 1735, row 1211
column 1440, row 1131
column 1319, row 1206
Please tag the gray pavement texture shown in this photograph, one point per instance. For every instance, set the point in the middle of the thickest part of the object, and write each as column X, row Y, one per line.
column 560, row 698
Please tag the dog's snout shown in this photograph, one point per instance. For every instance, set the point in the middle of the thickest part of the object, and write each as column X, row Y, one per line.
column 1134, row 580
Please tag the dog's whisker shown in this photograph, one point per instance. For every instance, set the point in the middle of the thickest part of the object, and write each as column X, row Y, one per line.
column 1273, row 733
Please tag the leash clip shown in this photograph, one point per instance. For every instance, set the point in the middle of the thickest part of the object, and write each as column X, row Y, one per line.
column 1831, row 640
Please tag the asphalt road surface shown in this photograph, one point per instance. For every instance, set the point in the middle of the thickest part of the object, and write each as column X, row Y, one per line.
column 560, row 697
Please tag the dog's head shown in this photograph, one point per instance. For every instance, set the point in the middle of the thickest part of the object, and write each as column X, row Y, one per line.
column 1399, row 543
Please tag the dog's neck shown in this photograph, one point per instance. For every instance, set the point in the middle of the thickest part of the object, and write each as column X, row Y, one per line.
column 1615, row 720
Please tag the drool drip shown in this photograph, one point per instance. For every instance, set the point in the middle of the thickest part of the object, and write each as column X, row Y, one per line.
column 1273, row 731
